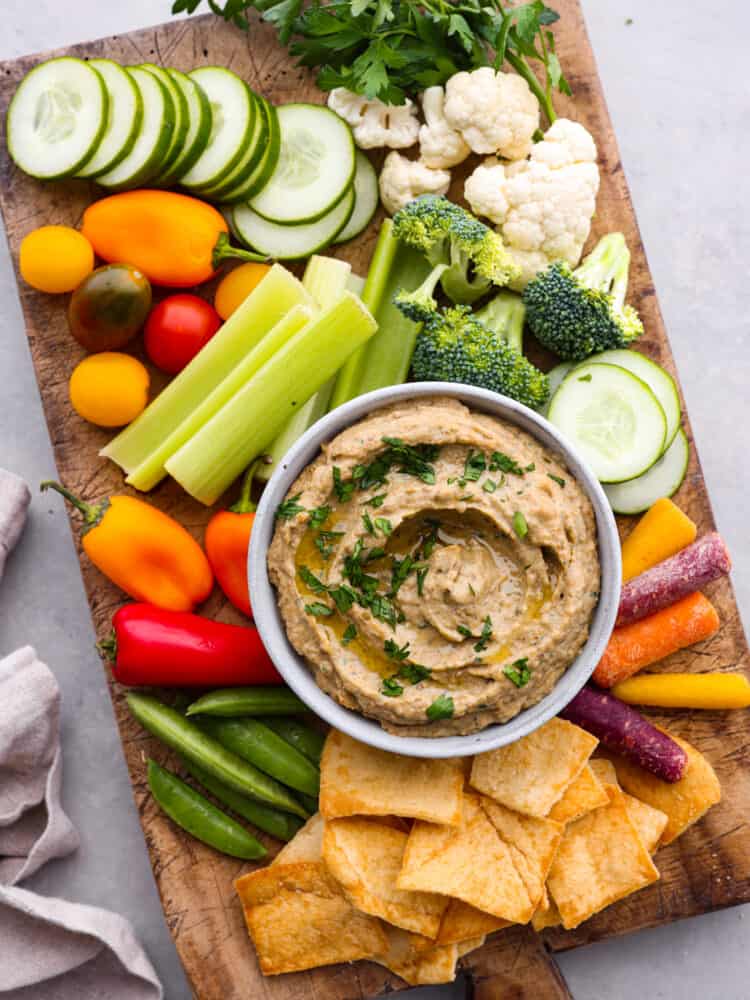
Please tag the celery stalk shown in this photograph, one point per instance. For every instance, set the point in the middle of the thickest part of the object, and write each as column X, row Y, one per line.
column 206, row 466
column 273, row 297
column 150, row 472
column 325, row 279
column 381, row 266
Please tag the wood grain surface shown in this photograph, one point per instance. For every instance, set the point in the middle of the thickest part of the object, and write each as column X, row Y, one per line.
column 706, row 869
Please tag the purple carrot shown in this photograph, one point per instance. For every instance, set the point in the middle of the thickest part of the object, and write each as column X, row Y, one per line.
column 623, row 730
column 675, row 578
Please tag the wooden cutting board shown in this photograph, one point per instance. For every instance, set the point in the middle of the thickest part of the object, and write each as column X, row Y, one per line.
column 706, row 869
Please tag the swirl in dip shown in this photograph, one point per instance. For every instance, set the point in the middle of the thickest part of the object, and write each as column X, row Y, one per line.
column 436, row 567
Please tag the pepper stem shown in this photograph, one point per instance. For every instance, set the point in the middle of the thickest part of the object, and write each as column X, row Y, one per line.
column 224, row 250
column 92, row 512
column 108, row 647
column 245, row 505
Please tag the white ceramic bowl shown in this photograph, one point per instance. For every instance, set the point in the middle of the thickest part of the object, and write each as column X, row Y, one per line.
column 293, row 668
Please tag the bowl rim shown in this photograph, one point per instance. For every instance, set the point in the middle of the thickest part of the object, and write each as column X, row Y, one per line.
column 293, row 668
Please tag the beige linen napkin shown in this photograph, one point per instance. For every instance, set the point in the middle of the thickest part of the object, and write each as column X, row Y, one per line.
column 50, row 949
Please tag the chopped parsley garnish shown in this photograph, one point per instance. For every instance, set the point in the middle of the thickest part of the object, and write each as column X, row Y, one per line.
column 489, row 486
column 367, row 522
column 414, row 673
column 376, row 501
column 325, row 542
column 483, row 639
column 519, row 672
column 372, row 555
column 466, row 496
column 474, row 466
column 428, row 545
column 441, row 708
column 349, row 635
column 414, row 460
column 584, row 378
column 311, row 581
column 318, row 609
column 394, row 651
column 557, row 479
column 382, row 609
column 520, row 526
column 319, row 516
column 290, row 508
column 500, row 462
column 343, row 597
column 343, row 490
column 391, row 688
column 400, row 569
column 530, row 468
column 383, row 525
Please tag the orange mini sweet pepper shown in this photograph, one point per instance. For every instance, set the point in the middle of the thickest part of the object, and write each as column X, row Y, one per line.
column 175, row 240
column 227, row 540
column 143, row 550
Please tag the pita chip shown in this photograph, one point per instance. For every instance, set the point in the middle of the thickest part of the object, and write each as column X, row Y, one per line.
column 462, row 922
column 581, row 796
column 406, row 955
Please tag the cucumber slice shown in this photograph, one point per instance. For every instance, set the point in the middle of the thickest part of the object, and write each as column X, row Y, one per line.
column 124, row 116
column 233, row 119
column 555, row 379
column 198, row 130
column 291, row 242
column 663, row 479
column 57, row 118
column 254, row 153
column 366, row 197
column 659, row 381
column 154, row 137
column 251, row 185
column 181, row 116
column 315, row 168
column 613, row 418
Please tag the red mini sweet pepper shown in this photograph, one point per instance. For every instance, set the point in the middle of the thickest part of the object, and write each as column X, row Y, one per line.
column 227, row 540
column 151, row 646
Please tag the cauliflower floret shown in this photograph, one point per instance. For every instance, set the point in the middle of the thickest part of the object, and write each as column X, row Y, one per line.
column 376, row 124
column 401, row 180
column 494, row 112
column 485, row 190
column 439, row 144
column 542, row 206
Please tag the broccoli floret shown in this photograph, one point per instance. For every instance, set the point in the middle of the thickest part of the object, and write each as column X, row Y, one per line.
column 505, row 314
column 420, row 304
column 474, row 255
column 581, row 312
column 453, row 346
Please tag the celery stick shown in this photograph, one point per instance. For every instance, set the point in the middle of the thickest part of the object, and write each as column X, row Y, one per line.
column 356, row 284
column 150, row 472
column 273, row 297
column 372, row 295
column 206, row 466
column 325, row 279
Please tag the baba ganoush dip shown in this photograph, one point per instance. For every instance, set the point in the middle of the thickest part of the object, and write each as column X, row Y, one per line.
column 436, row 567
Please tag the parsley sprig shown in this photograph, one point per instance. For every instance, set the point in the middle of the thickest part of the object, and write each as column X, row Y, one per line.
column 393, row 49
column 483, row 639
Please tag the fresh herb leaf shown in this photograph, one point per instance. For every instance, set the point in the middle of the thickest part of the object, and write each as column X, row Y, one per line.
column 289, row 508
column 319, row 516
column 499, row 462
column 441, row 708
column 311, row 581
column 400, row 569
column 367, row 522
column 530, row 468
column 520, row 526
column 382, row 609
column 474, row 466
column 343, row 490
column 466, row 496
column 376, row 501
column 318, row 609
column 383, row 525
column 484, row 638
column 396, row 652
column 519, row 672
column 343, row 597
column 557, row 479
column 350, row 633
column 489, row 486
column 391, row 688
column 325, row 542
column 414, row 673
column 413, row 460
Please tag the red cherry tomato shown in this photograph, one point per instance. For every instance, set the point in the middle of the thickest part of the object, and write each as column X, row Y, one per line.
column 177, row 329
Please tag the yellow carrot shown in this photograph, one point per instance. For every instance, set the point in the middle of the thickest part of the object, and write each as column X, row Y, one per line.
column 662, row 531
column 709, row 691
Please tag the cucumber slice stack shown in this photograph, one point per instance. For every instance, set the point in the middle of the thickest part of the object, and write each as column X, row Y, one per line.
column 622, row 412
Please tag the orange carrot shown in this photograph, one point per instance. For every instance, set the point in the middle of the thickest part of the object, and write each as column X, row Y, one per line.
column 633, row 647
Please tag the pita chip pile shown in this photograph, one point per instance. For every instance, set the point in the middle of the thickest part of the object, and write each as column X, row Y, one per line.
column 411, row 863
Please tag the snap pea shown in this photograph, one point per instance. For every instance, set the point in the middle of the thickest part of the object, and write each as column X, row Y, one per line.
column 279, row 824
column 186, row 738
column 304, row 738
column 308, row 802
column 259, row 745
column 191, row 811
column 230, row 702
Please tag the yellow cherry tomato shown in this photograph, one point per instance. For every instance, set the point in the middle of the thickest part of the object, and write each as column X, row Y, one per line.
column 55, row 258
column 109, row 389
column 236, row 286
